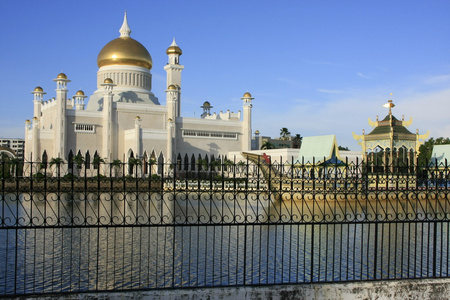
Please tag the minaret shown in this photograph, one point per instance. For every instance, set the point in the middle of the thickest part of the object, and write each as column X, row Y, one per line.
column 107, row 151
column 38, row 97
column 173, row 69
column 137, row 136
column 170, row 140
column 59, row 133
column 35, row 155
column 247, row 122
column 172, row 100
column 79, row 100
column 27, row 141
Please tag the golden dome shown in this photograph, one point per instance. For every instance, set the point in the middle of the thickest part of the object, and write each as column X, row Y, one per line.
column 27, row 121
column 35, row 119
column 61, row 76
column 38, row 89
column 257, row 132
column 138, row 118
column 247, row 95
column 80, row 93
column 124, row 51
column 206, row 104
column 171, row 87
column 108, row 81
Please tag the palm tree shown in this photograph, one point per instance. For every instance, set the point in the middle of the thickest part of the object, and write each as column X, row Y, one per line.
column 133, row 162
column 115, row 165
column 56, row 161
column 267, row 145
column 284, row 134
column 78, row 160
column 297, row 141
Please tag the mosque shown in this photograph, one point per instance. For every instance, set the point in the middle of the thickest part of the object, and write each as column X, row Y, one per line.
column 123, row 119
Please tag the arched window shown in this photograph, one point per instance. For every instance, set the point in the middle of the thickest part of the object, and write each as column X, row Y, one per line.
column 87, row 160
column 70, row 159
column 145, row 160
column 130, row 163
column 44, row 159
column 96, row 161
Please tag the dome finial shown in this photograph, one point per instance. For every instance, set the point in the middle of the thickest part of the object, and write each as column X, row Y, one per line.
column 125, row 29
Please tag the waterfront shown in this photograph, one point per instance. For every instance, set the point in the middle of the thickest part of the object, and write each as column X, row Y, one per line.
column 108, row 241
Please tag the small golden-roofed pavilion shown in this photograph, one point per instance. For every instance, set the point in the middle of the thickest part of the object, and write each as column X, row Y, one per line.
column 392, row 138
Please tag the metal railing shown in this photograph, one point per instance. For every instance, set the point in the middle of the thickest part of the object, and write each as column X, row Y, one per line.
column 105, row 227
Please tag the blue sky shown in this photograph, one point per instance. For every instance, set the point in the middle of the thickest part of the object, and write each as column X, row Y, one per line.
column 315, row 67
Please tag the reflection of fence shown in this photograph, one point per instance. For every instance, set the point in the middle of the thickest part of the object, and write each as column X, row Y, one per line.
column 219, row 225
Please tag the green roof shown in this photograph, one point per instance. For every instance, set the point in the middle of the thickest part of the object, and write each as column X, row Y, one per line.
column 318, row 149
column 384, row 127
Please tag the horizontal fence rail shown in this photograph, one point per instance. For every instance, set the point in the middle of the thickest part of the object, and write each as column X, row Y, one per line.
column 145, row 225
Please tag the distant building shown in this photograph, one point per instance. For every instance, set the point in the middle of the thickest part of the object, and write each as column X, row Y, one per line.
column 259, row 141
column 16, row 145
column 390, row 141
column 123, row 119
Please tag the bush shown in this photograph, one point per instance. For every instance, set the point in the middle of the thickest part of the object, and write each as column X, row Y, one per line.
column 38, row 175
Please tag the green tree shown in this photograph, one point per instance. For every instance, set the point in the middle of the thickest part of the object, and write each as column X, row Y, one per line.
column 267, row 145
column 297, row 141
column 56, row 161
column 115, row 165
column 285, row 134
column 426, row 149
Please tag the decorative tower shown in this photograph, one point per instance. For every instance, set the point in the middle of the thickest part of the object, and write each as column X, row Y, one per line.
column 391, row 139
column 59, row 133
column 173, row 69
column 107, row 144
column 79, row 100
column 206, row 109
column 247, row 122
column 38, row 97
column 172, row 99
column 34, row 155
column 137, row 136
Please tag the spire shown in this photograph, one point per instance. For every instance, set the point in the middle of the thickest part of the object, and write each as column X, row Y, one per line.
column 125, row 29
column 174, row 43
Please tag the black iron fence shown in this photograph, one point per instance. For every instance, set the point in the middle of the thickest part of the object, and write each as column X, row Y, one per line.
column 139, row 226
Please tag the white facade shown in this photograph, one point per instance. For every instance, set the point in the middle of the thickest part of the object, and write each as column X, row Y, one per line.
column 123, row 119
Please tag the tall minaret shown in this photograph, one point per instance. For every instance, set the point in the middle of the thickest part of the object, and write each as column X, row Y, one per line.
column 107, row 144
column 37, row 101
column 172, row 100
column 247, row 122
column 173, row 69
column 59, row 133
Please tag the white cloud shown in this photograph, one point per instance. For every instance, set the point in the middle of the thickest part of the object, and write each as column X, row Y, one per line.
column 362, row 75
column 349, row 113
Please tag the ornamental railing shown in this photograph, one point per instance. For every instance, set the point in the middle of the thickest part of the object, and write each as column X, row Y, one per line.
column 142, row 226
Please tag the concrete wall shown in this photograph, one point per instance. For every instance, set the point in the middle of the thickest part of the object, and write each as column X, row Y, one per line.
column 435, row 289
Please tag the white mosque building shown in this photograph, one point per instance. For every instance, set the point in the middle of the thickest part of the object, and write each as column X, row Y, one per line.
column 123, row 119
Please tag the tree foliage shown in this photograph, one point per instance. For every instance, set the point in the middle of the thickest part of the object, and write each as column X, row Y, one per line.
column 426, row 149
column 285, row 134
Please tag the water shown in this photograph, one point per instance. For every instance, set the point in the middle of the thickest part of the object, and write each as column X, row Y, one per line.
column 91, row 241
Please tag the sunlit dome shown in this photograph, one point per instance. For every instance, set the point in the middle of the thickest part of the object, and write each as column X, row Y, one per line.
column 61, row 76
column 108, row 81
column 80, row 93
column 124, row 51
column 174, row 49
column 247, row 95
column 38, row 89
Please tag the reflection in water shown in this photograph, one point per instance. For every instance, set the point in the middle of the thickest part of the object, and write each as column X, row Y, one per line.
column 91, row 242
